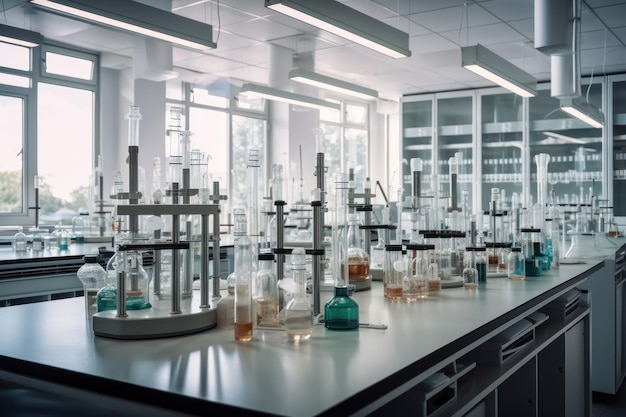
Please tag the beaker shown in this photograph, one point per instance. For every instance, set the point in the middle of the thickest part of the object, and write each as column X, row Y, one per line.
column 393, row 272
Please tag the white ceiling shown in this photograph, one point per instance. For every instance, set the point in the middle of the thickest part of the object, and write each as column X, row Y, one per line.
column 244, row 29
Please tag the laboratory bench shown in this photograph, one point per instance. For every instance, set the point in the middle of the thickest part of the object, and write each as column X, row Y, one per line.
column 509, row 348
column 50, row 274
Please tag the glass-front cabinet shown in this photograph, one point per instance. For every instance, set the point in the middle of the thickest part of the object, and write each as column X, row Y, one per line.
column 501, row 130
column 454, row 140
column 617, row 88
column 575, row 148
column 417, row 140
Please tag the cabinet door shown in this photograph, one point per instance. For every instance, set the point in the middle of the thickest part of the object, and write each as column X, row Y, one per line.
column 502, row 145
column 575, row 148
column 619, row 147
column 417, row 140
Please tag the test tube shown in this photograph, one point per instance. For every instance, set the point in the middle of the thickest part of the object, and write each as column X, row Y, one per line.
column 133, row 117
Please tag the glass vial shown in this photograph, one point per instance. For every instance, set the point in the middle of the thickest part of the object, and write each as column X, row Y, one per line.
column 266, row 292
column 516, row 265
column 298, row 313
column 393, row 272
column 480, row 254
column 470, row 273
column 421, row 269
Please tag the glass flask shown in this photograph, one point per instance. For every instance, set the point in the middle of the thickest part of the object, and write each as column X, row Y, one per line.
column 298, row 312
column 243, row 281
column 516, row 265
column 107, row 296
column 421, row 269
column 226, row 306
column 266, row 292
column 358, row 259
column 470, row 273
column 393, row 272
column 341, row 312
column 92, row 275
column 137, row 282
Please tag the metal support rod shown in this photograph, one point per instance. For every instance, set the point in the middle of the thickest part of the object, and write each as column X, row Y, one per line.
column 454, row 194
column 188, row 278
column 121, row 287
column 367, row 220
column 280, row 241
column 204, row 263
column 175, row 267
column 36, row 208
column 216, row 255
column 318, row 267
column 186, row 186
column 133, row 186
column 156, row 267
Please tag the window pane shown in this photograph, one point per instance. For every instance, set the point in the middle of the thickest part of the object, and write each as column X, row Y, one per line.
column 248, row 133
column 14, row 80
column 330, row 115
column 65, row 133
column 332, row 152
column 202, row 96
column 12, row 111
column 14, row 56
column 69, row 66
column 356, row 152
column 210, row 135
column 356, row 114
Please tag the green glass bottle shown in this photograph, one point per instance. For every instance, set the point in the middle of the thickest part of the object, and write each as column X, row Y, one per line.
column 341, row 312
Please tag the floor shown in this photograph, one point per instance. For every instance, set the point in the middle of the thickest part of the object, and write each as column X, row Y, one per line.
column 605, row 405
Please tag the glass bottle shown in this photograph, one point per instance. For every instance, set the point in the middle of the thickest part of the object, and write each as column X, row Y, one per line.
column 298, row 312
column 64, row 240
column 78, row 229
column 226, row 306
column 393, row 272
column 516, row 265
column 243, row 281
column 470, row 273
column 19, row 242
column 92, row 275
column 266, row 292
column 480, row 254
column 358, row 259
column 341, row 312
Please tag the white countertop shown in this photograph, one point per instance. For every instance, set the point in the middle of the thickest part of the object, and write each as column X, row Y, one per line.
column 338, row 369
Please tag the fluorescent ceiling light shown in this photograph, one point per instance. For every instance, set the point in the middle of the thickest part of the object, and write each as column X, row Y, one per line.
column 21, row 37
column 138, row 18
column 493, row 67
column 344, row 21
column 258, row 91
column 329, row 83
column 583, row 110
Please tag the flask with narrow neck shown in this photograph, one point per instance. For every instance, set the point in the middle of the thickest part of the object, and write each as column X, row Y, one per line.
column 341, row 312
column 266, row 292
column 358, row 259
column 298, row 314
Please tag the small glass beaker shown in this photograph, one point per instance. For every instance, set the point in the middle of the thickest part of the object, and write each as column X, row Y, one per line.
column 393, row 272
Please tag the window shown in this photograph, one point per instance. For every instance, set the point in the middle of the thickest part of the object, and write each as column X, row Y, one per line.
column 346, row 141
column 48, row 112
column 11, row 165
column 226, row 130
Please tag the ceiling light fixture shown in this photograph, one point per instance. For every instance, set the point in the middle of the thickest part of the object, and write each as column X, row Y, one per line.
column 21, row 37
column 250, row 90
column 318, row 80
column 344, row 21
column 583, row 110
column 493, row 67
column 138, row 18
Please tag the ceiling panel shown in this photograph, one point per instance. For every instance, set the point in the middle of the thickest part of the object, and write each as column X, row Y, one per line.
column 436, row 28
